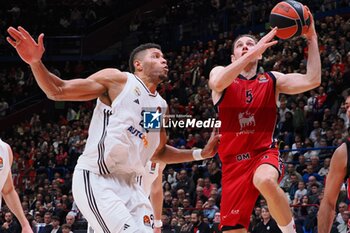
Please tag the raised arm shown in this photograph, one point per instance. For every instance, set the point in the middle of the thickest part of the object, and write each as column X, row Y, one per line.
column 54, row 87
column 12, row 200
column 156, row 198
column 295, row 83
column 220, row 78
column 335, row 178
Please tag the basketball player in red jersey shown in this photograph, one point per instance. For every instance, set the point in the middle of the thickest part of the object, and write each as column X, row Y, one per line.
column 338, row 171
column 246, row 103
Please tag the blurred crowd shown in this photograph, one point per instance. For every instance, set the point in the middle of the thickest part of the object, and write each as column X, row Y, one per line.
column 46, row 146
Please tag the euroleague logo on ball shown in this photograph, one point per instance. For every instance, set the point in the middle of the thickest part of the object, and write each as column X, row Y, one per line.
column 283, row 7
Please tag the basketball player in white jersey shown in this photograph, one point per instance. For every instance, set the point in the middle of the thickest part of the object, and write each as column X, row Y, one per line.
column 150, row 181
column 8, row 191
column 104, row 181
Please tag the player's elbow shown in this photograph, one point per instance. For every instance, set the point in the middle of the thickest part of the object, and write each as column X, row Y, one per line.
column 55, row 95
column 216, row 85
column 316, row 78
column 313, row 81
column 8, row 190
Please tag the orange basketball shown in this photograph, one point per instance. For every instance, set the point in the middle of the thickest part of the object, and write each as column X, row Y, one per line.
column 291, row 18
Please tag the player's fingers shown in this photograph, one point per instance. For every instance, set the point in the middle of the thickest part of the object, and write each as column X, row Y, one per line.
column 271, row 43
column 310, row 14
column 307, row 8
column 24, row 32
column 12, row 42
column 15, row 34
column 213, row 132
column 41, row 40
column 269, row 36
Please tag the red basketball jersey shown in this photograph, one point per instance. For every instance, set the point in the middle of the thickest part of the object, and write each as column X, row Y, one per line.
column 247, row 110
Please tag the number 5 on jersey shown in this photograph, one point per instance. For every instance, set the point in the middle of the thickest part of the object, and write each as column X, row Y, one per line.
column 248, row 96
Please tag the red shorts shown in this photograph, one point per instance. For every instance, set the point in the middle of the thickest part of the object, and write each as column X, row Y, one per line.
column 238, row 191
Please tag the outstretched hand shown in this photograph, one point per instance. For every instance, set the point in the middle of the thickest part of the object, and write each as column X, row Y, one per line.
column 26, row 47
column 211, row 148
column 264, row 43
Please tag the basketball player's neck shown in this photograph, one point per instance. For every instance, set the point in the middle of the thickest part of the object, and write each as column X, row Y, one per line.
column 150, row 82
column 250, row 70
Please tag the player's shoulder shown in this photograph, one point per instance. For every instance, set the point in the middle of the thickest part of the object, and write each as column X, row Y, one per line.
column 276, row 74
column 340, row 155
column 342, row 149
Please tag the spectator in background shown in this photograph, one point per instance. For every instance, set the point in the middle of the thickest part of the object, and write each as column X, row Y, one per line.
column 299, row 193
column 55, row 226
column 198, row 224
column 184, row 182
column 208, row 187
column 210, row 209
column 70, row 220
column 294, row 186
column 216, row 221
column 47, row 227
column 286, row 181
column 66, row 228
column 172, row 174
column 187, row 227
column 342, row 207
column 267, row 224
column 10, row 225
column 325, row 169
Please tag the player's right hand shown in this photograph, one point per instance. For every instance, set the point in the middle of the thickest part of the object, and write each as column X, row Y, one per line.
column 26, row 47
column 264, row 43
column 157, row 230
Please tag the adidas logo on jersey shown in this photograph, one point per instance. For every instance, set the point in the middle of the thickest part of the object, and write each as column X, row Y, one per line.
column 126, row 226
column 137, row 101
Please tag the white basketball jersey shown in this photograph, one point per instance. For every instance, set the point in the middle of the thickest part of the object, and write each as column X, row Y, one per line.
column 150, row 175
column 4, row 166
column 117, row 141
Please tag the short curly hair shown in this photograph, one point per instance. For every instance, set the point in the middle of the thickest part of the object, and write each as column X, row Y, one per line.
column 139, row 49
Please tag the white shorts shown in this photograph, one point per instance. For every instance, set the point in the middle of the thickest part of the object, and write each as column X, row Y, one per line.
column 112, row 204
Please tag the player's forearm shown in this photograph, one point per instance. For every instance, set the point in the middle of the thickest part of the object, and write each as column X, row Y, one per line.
column 325, row 217
column 157, row 203
column 12, row 201
column 170, row 155
column 313, row 72
column 47, row 81
column 226, row 76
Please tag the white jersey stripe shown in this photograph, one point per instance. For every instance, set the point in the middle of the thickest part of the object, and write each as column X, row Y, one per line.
column 101, row 147
column 92, row 202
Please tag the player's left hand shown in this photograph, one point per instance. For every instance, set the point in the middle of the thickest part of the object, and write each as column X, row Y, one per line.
column 212, row 145
column 311, row 30
column 157, row 230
